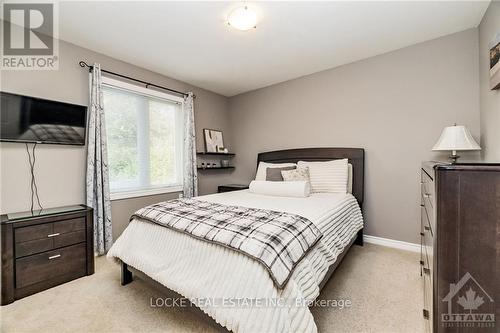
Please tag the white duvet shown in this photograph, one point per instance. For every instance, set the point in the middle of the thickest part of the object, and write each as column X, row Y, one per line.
column 199, row 270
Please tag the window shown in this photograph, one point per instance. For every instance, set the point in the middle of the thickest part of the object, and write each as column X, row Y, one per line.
column 144, row 131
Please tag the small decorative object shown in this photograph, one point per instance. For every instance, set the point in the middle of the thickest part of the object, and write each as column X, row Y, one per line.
column 224, row 163
column 226, row 151
column 455, row 138
column 495, row 63
column 213, row 140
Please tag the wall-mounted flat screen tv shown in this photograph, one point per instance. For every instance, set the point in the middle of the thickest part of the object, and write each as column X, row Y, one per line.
column 31, row 119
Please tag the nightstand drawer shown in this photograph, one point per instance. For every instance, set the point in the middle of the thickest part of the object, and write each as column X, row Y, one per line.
column 66, row 226
column 40, row 231
column 69, row 238
column 48, row 236
column 48, row 265
column 35, row 246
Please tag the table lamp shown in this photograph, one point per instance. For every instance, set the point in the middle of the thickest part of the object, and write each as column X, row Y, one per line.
column 455, row 138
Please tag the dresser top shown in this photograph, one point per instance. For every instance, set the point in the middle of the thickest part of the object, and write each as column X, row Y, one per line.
column 430, row 166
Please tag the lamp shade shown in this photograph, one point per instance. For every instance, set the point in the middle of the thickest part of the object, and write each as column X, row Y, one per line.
column 456, row 138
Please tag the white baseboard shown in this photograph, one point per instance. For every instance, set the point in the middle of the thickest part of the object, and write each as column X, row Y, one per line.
column 392, row 243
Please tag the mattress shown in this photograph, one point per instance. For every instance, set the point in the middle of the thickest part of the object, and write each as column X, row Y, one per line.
column 222, row 277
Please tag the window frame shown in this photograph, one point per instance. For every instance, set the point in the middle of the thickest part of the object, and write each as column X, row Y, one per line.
column 117, row 84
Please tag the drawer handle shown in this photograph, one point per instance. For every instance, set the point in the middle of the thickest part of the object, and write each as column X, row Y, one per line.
column 426, row 314
column 53, row 235
column 427, row 228
column 54, row 257
column 427, row 271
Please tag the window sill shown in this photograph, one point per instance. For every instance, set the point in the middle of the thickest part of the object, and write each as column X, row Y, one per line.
column 145, row 193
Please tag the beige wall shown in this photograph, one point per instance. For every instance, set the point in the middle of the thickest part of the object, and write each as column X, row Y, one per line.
column 60, row 170
column 490, row 99
column 394, row 105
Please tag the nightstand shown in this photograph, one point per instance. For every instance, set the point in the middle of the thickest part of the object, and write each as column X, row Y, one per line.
column 231, row 187
column 43, row 249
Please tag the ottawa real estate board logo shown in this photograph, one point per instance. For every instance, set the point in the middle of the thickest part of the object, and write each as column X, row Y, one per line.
column 469, row 305
column 29, row 36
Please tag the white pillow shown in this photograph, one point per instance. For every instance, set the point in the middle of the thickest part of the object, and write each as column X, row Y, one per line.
column 298, row 189
column 328, row 176
column 262, row 169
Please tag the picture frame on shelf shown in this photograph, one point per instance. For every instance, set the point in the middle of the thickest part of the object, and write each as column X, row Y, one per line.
column 214, row 141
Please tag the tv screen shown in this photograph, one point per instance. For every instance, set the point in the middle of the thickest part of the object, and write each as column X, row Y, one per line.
column 30, row 119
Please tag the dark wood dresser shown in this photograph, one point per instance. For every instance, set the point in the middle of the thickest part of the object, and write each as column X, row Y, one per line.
column 41, row 250
column 460, row 252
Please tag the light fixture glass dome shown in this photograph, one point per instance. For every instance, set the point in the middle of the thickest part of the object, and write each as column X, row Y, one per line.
column 242, row 18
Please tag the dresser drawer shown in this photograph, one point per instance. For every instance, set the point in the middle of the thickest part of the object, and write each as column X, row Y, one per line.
column 51, row 264
column 427, row 311
column 427, row 218
column 424, row 221
column 428, row 187
column 427, row 198
column 48, row 236
column 428, row 250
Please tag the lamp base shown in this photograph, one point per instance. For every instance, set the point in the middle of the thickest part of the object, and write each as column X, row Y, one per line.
column 454, row 157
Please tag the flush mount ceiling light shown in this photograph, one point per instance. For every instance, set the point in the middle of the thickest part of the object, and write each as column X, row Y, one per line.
column 242, row 18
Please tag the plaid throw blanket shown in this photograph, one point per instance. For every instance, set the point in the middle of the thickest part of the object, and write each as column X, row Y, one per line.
column 277, row 240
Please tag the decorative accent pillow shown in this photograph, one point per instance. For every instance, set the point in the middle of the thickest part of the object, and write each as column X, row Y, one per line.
column 261, row 170
column 274, row 174
column 299, row 174
column 328, row 176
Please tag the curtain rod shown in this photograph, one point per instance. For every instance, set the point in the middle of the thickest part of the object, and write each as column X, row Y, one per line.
column 84, row 64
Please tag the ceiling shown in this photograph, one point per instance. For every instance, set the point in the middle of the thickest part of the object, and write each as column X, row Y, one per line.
column 190, row 41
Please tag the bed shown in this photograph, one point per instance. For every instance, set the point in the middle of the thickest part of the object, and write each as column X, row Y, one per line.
column 218, row 280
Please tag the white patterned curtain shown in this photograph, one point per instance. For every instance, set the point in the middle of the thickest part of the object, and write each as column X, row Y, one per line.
column 190, row 171
column 97, row 167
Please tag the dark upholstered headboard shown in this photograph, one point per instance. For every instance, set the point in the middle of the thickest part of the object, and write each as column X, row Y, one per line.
column 356, row 157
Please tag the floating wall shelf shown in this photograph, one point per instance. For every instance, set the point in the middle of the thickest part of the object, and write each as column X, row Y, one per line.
column 215, row 154
column 216, row 168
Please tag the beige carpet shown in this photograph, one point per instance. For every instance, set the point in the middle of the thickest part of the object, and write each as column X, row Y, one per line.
column 383, row 285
